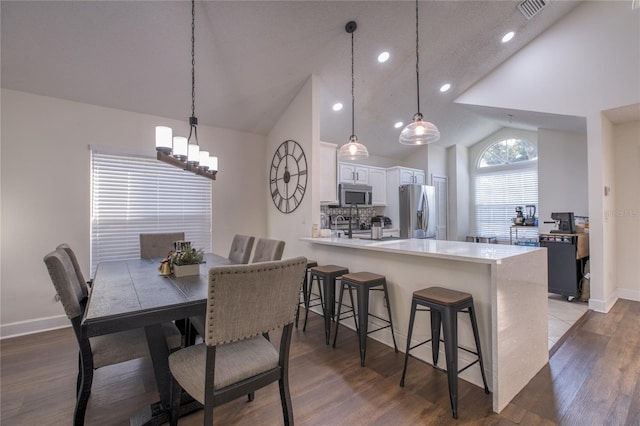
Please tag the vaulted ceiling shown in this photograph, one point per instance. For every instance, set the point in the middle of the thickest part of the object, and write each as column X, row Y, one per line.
column 252, row 57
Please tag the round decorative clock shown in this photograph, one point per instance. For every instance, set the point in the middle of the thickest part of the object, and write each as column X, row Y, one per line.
column 288, row 176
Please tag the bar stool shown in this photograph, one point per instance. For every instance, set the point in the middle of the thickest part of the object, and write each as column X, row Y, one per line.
column 305, row 291
column 444, row 305
column 363, row 282
column 328, row 274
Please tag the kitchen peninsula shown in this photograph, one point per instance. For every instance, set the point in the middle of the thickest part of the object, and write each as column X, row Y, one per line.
column 508, row 284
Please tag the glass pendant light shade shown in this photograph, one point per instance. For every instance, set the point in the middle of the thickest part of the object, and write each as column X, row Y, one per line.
column 353, row 150
column 419, row 132
column 163, row 139
column 193, row 156
column 204, row 160
column 213, row 164
column 180, row 147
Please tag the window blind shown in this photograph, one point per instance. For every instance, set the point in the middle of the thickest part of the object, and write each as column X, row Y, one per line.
column 132, row 194
column 498, row 193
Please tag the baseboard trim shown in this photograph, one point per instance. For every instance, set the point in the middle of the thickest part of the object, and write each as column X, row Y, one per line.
column 22, row 328
column 628, row 294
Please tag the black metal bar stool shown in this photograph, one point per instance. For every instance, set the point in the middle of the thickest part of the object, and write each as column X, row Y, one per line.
column 444, row 305
column 363, row 282
column 306, row 295
column 328, row 274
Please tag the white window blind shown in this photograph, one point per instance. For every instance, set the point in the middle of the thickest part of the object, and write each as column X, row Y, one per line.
column 131, row 195
column 498, row 193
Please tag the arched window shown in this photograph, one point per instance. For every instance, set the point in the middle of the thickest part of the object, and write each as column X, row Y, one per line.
column 505, row 177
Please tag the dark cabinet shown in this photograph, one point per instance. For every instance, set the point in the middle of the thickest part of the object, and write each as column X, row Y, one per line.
column 566, row 254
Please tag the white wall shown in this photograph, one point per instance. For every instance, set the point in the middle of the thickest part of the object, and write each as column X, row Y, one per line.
column 299, row 122
column 562, row 175
column 627, row 208
column 46, row 194
column 458, row 167
column 586, row 63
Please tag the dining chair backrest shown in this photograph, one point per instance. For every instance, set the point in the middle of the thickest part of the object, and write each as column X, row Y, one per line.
column 76, row 267
column 267, row 250
column 241, row 246
column 64, row 279
column 153, row 246
column 241, row 305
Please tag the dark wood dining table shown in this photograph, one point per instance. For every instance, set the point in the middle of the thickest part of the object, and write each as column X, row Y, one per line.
column 129, row 294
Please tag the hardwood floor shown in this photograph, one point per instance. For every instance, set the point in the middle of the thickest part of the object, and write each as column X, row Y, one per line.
column 593, row 378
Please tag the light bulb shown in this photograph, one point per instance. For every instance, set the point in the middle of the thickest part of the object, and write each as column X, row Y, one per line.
column 353, row 148
column 419, row 130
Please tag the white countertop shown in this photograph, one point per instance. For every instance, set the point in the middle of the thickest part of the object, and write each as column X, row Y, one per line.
column 442, row 249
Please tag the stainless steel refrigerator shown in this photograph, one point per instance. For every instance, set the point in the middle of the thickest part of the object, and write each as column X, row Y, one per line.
column 417, row 211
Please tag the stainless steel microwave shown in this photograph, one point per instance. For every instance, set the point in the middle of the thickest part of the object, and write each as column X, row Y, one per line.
column 349, row 194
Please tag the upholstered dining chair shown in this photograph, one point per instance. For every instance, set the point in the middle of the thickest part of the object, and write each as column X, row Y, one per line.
column 243, row 302
column 76, row 267
column 158, row 245
column 267, row 250
column 97, row 351
column 241, row 246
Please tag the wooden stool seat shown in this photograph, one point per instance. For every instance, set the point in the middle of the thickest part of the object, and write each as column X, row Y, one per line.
column 363, row 282
column 444, row 304
column 443, row 296
column 328, row 274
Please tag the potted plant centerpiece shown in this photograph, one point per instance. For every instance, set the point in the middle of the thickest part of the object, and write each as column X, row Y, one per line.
column 187, row 262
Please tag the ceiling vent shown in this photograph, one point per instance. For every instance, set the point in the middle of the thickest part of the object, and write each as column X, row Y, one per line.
column 530, row 8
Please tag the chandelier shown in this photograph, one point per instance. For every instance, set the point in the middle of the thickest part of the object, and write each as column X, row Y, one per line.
column 352, row 150
column 184, row 152
column 419, row 132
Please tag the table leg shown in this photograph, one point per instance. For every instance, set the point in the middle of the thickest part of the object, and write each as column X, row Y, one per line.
column 160, row 358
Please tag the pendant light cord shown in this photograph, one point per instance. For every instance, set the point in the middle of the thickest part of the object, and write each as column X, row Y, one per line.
column 353, row 97
column 193, row 59
column 193, row 121
column 417, row 59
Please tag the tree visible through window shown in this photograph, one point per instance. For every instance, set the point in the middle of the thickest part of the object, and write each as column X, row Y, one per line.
column 506, row 176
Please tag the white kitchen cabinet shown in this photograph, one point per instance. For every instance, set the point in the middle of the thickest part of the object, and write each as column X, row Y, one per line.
column 353, row 173
column 378, row 182
column 328, row 173
column 411, row 176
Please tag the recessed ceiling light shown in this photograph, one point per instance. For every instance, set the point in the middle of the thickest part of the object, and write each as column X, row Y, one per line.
column 337, row 106
column 508, row 36
column 383, row 57
column 398, row 124
column 445, row 87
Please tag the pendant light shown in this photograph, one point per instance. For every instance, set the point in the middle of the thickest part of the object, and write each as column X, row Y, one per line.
column 419, row 132
column 185, row 152
column 352, row 150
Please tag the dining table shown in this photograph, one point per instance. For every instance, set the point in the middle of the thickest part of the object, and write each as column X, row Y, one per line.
column 130, row 294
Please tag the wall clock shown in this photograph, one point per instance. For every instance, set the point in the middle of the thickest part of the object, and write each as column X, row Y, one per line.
column 288, row 176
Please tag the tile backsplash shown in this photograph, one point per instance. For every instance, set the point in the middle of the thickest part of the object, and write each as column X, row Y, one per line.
column 366, row 213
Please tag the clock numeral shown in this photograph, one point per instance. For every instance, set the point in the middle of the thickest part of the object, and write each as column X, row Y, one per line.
column 299, row 157
column 288, row 208
column 274, row 180
column 275, row 193
column 300, row 188
column 280, row 203
column 302, row 172
column 278, row 154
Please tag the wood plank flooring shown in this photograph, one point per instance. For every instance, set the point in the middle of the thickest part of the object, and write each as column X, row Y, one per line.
column 593, row 378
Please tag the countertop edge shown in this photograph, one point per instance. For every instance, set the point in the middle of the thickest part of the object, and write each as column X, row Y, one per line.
column 377, row 246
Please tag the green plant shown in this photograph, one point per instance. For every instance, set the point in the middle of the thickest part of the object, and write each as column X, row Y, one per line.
column 188, row 257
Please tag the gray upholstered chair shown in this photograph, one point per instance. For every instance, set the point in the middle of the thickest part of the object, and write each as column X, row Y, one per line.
column 241, row 246
column 97, row 351
column 76, row 267
column 267, row 250
column 244, row 301
column 158, row 245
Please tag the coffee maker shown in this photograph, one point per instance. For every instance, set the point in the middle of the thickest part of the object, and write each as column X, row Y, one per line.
column 519, row 219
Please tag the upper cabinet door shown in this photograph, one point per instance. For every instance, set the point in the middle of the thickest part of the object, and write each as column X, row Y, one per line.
column 378, row 182
column 406, row 176
column 419, row 177
column 353, row 173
